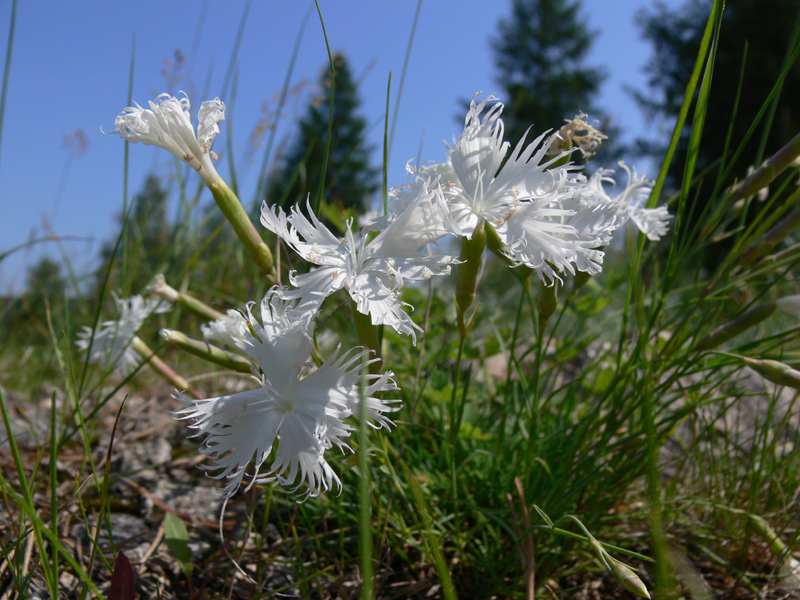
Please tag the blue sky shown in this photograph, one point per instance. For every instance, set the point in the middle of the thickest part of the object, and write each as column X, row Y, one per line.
column 70, row 67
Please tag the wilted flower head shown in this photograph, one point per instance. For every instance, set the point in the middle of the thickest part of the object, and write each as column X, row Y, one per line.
column 374, row 270
column 167, row 124
column 299, row 409
column 578, row 132
column 111, row 345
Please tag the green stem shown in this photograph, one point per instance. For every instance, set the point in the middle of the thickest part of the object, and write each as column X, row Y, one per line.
column 160, row 367
column 454, row 397
column 184, row 299
column 236, row 215
column 26, row 493
column 368, row 336
column 546, row 304
column 364, row 503
column 206, row 351
column 433, row 540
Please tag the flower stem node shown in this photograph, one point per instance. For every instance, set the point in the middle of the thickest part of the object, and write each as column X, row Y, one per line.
column 205, row 350
column 160, row 287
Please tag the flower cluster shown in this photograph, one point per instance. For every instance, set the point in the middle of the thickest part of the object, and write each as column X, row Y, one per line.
column 535, row 207
column 372, row 269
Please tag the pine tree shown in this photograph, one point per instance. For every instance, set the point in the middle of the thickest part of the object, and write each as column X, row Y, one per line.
column 45, row 279
column 539, row 55
column 765, row 30
column 349, row 178
column 149, row 239
column 754, row 34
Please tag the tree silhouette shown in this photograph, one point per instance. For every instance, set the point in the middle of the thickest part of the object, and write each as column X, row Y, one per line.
column 349, row 178
column 755, row 34
column 539, row 55
column 45, row 279
column 149, row 239
column 754, row 40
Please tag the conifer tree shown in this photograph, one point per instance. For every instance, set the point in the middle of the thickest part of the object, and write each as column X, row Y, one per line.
column 754, row 40
column 349, row 178
column 149, row 238
column 755, row 34
column 539, row 54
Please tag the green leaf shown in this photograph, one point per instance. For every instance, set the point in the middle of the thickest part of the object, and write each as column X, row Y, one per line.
column 601, row 380
column 177, row 538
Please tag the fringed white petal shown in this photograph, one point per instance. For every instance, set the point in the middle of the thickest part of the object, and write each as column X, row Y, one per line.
column 373, row 272
column 111, row 344
column 167, row 124
column 223, row 330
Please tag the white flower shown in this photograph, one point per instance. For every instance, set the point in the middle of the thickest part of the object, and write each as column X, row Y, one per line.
column 167, row 124
column 372, row 271
column 653, row 222
column 223, row 330
column 304, row 416
column 551, row 237
column 111, row 346
column 531, row 198
column 484, row 190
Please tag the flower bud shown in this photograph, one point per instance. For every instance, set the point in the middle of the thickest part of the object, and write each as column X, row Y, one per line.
column 774, row 371
column 789, row 305
column 780, row 260
column 767, row 242
column 736, row 327
column 628, row 578
column 622, row 572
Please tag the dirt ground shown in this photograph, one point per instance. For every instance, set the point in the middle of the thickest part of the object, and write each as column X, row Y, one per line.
column 155, row 472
